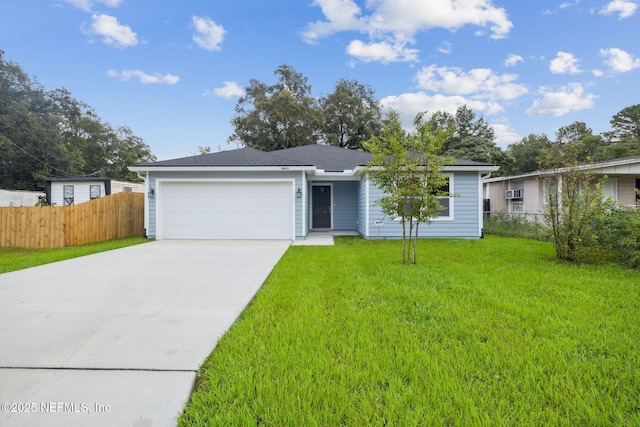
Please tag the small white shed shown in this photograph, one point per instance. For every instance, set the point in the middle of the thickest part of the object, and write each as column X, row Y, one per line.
column 75, row 190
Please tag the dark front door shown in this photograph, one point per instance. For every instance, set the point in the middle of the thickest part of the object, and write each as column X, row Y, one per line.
column 321, row 206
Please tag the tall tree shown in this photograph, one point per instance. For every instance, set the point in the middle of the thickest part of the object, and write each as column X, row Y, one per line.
column 30, row 145
column 282, row 115
column 407, row 168
column 49, row 133
column 625, row 124
column 472, row 139
column 624, row 139
column 525, row 153
column 352, row 114
column 125, row 149
column 589, row 145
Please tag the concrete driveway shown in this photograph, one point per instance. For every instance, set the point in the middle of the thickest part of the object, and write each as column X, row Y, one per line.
column 115, row 339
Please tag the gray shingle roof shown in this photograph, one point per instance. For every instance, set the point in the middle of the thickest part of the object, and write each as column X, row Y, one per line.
column 241, row 157
column 325, row 157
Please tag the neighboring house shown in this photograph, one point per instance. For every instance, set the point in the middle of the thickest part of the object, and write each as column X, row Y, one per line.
column 74, row 190
column 125, row 186
column 251, row 194
column 524, row 194
column 19, row 198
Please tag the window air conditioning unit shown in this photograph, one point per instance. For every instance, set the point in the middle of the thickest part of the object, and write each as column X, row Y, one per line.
column 513, row 194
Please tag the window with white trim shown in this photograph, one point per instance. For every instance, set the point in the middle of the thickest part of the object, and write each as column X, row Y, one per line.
column 94, row 191
column 446, row 202
column 517, row 207
column 68, row 195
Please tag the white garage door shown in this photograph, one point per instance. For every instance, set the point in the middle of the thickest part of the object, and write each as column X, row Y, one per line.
column 225, row 210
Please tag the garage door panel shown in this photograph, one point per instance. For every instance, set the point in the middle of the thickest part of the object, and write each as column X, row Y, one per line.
column 227, row 210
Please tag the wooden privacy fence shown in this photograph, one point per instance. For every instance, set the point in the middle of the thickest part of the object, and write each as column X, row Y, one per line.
column 111, row 217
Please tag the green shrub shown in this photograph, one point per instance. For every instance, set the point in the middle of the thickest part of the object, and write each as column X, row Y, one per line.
column 619, row 233
column 510, row 225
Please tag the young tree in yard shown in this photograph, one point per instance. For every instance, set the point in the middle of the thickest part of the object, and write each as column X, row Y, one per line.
column 407, row 167
column 574, row 199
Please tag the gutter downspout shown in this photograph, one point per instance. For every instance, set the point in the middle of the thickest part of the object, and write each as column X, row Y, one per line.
column 482, row 177
column 144, row 176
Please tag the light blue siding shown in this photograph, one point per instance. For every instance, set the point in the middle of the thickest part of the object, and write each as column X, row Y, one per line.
column 464, row 224
column 307, row 202
column 345, row 205
column 362, row 206
column 154, row 176
column 350, row 210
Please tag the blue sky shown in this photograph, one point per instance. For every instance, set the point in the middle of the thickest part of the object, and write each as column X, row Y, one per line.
column 173, row 70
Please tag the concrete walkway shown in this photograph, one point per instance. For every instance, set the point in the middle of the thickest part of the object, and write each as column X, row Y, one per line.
column 115, row 339
column 323, row 238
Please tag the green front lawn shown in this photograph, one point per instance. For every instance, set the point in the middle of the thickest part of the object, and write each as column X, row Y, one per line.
column 12, row 259
column 488, row 332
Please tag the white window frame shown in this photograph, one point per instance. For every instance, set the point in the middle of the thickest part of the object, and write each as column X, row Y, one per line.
column 91, row 188
column 64, row 195
column 449, row 217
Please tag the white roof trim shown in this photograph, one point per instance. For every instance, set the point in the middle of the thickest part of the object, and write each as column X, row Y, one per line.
column 600, row 166
column 219, row 168
column 454, row 168
column 318, row 172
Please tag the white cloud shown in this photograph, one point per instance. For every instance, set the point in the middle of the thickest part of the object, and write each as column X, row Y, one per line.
column 396, row 23
column 445, row 48
column 87, row 5
column 407, row 105
column 564, row 63
column 228, row 90
column 381, row 52
column 505, row 135
column 569, row 98
column 598, row 73
column 512, row 60
column 112, row 32
column 619, row 60
column 144, row 78
column 624, row 8
column 342, row 15
column 567, row 4
column 481, row 83
column 209, row 35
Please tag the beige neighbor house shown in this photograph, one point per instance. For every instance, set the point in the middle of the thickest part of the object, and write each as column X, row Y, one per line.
column 74, row 190
column 524, row 194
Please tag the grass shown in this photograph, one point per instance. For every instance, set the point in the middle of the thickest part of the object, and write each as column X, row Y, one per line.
column 487, row 332
column 12, row 259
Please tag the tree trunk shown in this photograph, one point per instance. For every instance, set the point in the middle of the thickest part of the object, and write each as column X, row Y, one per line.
column 415, row 245
column 404, row 240
column 410, row 238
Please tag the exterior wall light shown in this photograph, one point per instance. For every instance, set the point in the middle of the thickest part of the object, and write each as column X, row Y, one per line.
column 299, row 193
column 152, row 192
